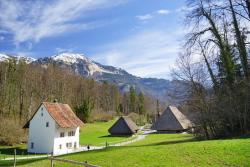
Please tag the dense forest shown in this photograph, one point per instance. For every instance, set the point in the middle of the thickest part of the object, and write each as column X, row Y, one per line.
column 220, row 79
column 24, row 86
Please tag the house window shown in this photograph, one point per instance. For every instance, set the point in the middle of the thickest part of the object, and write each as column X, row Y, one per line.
column 74, row 144
column 32, row 145
column 47, row 124
column 42, row 114
column 68, row 145
column 71, row 133
column 60, row 146
column 62, row 134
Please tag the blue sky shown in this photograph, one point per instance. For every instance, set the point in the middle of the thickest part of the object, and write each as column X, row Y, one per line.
column 140, row 36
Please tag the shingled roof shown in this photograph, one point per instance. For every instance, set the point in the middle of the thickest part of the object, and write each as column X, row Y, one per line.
column 61, row 113
column 172, row 120
column 123, row 126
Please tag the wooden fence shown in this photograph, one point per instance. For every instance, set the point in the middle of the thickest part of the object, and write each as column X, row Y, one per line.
column 86, row 164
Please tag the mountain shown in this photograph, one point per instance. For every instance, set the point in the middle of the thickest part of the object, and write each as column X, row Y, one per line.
column 6, row 57
column 78, row 63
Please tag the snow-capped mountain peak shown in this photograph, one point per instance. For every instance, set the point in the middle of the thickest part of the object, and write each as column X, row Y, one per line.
column 70, row 57
column 5, row 57
column 79, row 63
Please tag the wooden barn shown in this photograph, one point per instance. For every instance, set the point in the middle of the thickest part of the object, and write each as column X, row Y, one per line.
column 172, row 120
column 123, row 126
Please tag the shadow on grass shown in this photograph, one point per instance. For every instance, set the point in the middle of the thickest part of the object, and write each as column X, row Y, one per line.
column 111, row 136
column 10, row 151
column 19, row 162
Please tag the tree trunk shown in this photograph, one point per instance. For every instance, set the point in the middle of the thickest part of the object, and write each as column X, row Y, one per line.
column 240, row 42
column 21, row 103
column 248, row 7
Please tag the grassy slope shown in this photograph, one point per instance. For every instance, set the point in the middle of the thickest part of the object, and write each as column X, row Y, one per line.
column 167, row 150
column 97, row 134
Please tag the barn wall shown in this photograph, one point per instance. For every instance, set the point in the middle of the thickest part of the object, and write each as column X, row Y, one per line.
column 120, row 128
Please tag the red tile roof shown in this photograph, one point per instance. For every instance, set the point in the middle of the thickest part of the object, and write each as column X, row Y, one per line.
column 62, row 114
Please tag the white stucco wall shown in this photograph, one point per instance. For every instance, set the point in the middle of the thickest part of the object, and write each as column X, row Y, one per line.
column 39, row 134
column 66, row 139
column 47, row 139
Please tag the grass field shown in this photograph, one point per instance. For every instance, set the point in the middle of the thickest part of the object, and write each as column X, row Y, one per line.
column 161, row 150
column 164, row 150
column 90, row 134
column 97, row 134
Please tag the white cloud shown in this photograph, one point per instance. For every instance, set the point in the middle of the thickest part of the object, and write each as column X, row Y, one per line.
column 184, row 9
column 61, row 50
column 2, row 38
column 151, row 15
column 145, row 17
column 145, row 54
column 163, row 11
column 34, row 20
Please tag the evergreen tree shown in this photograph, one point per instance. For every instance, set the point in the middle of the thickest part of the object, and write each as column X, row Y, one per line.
column 141, row 104
column 132, row 99
column 83, row 111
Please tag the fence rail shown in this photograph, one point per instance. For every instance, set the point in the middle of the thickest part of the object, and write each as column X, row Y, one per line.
column 86, row 164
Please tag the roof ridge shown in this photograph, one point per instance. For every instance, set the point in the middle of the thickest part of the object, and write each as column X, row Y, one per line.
column 53, row 102
column 129, row 127
column 180, row 116
column 176, row 117
column 128, row 121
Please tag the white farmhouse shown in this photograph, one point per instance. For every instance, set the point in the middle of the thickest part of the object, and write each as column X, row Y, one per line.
column 54, row 127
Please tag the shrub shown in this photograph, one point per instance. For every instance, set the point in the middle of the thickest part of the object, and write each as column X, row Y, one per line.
column 138, row 119
column 101, row 116
column 11, row 132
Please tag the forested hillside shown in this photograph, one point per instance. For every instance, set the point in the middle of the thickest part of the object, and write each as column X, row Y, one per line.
column 24, row 86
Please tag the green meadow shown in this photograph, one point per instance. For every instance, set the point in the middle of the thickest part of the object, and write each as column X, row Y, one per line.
column 154, row 150
column 97, row 134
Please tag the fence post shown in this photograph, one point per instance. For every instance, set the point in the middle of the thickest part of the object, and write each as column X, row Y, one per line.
column 106, row 144
column 51, row 160
column 14, row 158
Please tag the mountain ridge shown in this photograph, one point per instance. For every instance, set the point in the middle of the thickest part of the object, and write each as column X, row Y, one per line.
column 80, row 64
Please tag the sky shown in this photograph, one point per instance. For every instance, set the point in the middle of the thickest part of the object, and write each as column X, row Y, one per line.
column 141, row 36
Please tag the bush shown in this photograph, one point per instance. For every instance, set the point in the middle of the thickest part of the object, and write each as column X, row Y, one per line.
column 138, row 119
column 11, row 132
column 101, row 116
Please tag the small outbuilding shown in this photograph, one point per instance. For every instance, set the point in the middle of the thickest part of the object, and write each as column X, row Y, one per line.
column 172, row 120
column 123, row 126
